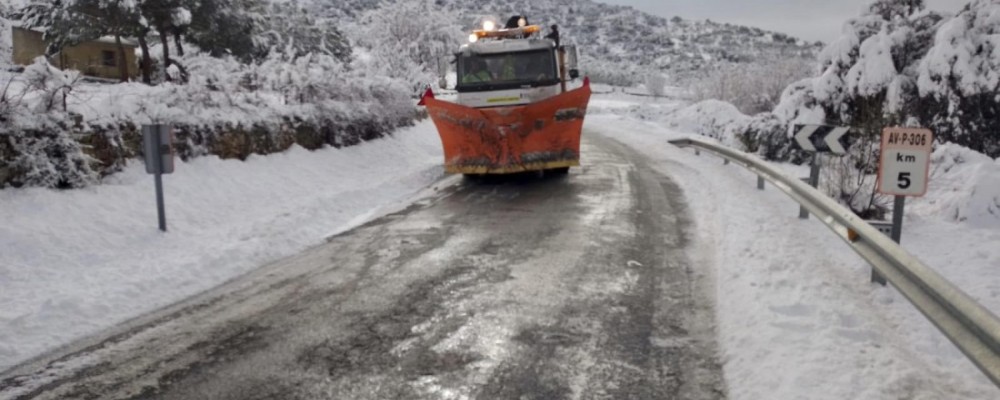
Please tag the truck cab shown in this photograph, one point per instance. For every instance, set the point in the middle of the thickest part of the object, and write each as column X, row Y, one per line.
column 503, row 73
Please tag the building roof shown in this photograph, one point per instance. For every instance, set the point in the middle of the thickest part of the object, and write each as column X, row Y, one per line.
column 103, row 39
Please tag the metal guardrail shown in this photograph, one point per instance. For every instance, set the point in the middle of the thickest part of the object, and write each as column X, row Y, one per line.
column 628, row 93
column 970, row 326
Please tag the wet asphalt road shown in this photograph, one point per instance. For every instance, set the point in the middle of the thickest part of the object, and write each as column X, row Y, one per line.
column 577, row 287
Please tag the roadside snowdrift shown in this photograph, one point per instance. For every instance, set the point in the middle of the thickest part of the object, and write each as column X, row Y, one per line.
column 797, row 316
column 75, row 262
column 964, row 188
column 713, row 118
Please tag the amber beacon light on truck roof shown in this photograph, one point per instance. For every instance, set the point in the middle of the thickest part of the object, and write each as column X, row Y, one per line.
column 519, row 30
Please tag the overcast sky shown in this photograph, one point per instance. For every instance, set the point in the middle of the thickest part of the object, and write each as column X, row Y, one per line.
column 807, row 19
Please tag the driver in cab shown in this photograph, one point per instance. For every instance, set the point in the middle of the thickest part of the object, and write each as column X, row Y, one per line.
column 476, row 72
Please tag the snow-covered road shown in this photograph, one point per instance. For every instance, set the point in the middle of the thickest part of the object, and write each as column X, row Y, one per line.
column 552, row 288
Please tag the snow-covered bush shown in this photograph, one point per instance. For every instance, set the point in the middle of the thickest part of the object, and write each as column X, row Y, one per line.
column 752, row 87
column 42, row 153
column 37, row 147
column 799, row 104
column 715, row 119
column 313, row 100
column 767, row 135
column 851, row 179
column 656, row 84
column 51, row 84
column 226, row 108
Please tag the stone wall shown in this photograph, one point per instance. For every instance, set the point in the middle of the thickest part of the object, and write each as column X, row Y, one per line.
column 112, row 147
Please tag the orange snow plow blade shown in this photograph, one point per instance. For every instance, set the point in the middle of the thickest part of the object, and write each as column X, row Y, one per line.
column 504, row 140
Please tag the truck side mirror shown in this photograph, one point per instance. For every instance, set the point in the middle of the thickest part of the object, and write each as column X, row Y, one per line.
column 574, row 73
column 571, row 57
column 444, row 64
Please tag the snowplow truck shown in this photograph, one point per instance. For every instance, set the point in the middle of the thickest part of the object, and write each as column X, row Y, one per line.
column 513, row 111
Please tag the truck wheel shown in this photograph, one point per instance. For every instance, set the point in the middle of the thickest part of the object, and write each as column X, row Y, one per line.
column 559, row 171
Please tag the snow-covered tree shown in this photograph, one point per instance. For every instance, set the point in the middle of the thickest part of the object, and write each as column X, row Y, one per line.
column 229, row 27
column 868, row 76
column 293, row 30
column 162, row 17
column 407, row 40
column 959, row 79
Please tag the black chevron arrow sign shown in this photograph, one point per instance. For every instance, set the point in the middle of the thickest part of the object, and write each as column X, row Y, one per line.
column 822, row 138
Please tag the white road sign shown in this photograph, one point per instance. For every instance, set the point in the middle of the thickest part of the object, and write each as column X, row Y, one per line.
column 905, row 161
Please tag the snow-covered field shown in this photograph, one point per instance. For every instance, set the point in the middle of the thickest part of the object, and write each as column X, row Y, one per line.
column 797, row 317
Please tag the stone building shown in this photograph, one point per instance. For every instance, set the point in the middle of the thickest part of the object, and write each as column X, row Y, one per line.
column 97, row 58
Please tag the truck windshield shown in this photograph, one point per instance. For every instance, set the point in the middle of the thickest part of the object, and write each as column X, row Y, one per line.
column 495, row 71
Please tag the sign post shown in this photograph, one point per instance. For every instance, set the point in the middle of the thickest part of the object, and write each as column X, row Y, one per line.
column 903, row 170
column 818, row 139
column 812, row 181
column 157, row 146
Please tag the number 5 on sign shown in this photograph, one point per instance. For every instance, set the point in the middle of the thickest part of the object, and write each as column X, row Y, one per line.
column 905, row 161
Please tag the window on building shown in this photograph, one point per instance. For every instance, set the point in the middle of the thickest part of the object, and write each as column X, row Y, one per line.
column 108, row 58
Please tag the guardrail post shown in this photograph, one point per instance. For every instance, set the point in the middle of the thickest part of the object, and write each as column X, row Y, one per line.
column 725, row 161
column 897, row 218
column 697, row 152
column 813, row 181
column 886, row 229
column 760, row 182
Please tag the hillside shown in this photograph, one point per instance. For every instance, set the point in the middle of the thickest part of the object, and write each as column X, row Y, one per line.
column 617, row 44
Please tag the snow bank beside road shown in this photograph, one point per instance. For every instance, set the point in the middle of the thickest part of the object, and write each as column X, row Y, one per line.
column 75, row 262
column 713, row 118
column 797, row 317
column 964, row 188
